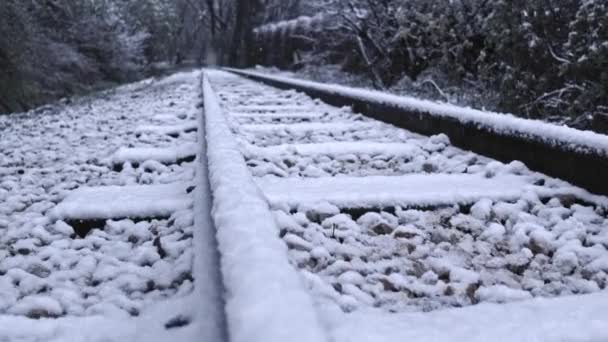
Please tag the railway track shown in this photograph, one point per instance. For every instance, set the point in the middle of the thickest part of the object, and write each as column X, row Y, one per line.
column 380, row 219
column 269, row 215
column 561, row 152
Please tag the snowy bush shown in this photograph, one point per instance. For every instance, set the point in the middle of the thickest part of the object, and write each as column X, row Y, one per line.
column 543, row 59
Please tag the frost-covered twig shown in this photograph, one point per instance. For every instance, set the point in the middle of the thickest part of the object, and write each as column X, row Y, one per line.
column 558, row 58
column 441, row 92
column 377, row 79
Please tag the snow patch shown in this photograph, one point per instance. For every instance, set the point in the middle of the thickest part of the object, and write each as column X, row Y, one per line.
column 135, row 201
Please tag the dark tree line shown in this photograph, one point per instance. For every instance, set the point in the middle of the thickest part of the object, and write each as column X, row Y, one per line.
column 55, row 48
column 536, row 58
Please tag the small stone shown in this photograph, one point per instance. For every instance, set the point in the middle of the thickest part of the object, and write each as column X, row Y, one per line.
column 382, row 229
column 429, row 278
column 417, row 269
column 376, row 223
column 406, row 232
column 536, row 247
column 321, row 211
column 388, row 285
column 150, row 286
column 37, row 307
column 159, row 248
column 567, row 200
column 295, row 242
column 288, row 163
column 449, row 291
column 39, row 270
column 470, row 292
column 39, row 313
column 177, row 322
column 482, row 210
column 429, row 168
column 23, row 251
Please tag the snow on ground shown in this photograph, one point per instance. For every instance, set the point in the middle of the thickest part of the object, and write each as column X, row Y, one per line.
column 168, row 155
column 530, row 266
column 572, row 319
column 255, row 118
column 133, row 201
column 171, row 130
column 420, row 190
column 126, row 280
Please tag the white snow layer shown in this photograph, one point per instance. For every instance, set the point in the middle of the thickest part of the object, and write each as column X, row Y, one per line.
column 134, row 201
column 573, row 318
column 173, row 129
column 163, row 155
column 381, row 191
column 148, row 327
column 297, row 115
column 497, row 122
column 336, row 148
column 209, row 289
column 308, row 127
column 265, row 298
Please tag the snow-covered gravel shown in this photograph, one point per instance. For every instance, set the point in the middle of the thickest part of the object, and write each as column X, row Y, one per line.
column 361, row 158
column 421, row 260
column 368, row 267
column 123, row 269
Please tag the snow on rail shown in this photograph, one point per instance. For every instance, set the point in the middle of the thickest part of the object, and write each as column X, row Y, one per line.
column 134, row 201
column 497, row 122
column 265, row 300
column 206, row 264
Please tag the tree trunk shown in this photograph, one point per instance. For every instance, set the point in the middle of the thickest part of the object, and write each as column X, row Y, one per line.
column 4, row 108
column 212, row 15
column 377, row 80
column 247, row 16
column 238, row 48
